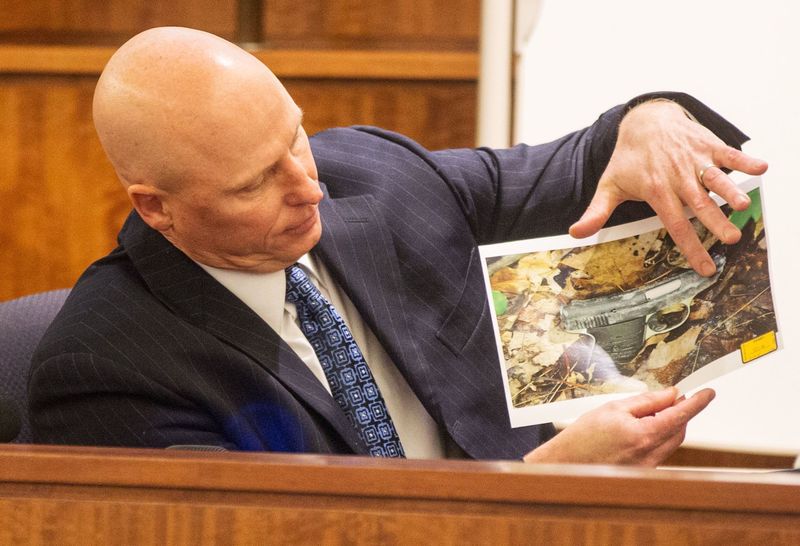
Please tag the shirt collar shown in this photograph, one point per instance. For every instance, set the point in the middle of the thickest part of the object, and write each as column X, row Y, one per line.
column 308, row 263
column 264, row 293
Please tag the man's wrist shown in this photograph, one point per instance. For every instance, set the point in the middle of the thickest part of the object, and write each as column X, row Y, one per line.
column 661, row 102
column 686, row 112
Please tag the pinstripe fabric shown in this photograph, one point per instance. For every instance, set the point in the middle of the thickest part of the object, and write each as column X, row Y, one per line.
column 150, row 350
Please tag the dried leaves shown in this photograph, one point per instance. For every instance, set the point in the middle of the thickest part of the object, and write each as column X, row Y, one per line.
column 546, row 363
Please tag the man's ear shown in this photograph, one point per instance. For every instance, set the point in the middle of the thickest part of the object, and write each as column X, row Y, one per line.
column 149, row 203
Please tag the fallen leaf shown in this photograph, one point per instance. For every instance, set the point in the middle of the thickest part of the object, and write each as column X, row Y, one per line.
column 666, row 352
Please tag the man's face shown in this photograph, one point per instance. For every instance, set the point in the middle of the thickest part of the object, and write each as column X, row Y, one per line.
column 255, row 207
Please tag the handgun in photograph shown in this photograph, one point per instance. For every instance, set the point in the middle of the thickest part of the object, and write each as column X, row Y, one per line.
column 621, row 323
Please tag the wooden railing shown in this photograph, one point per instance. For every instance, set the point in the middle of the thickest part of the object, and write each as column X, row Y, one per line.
column 54, row 495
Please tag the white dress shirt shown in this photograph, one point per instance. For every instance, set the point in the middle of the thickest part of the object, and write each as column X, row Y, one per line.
column 265, row 294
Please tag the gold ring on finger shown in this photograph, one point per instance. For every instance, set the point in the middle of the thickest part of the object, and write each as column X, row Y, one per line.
column 701, row 172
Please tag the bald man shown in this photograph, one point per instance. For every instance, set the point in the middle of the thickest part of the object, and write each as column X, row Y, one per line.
column 183, row 334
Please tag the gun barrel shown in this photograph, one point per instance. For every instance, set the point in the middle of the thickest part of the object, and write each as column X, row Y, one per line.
column 581, row 315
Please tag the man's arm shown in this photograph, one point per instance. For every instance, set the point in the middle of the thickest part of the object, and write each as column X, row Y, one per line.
column 84, row 399
column 645, row 152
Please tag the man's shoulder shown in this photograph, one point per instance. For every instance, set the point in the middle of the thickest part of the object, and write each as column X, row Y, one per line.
column 358, row 133
column 365, row 141
column 109, row 289
column 375, row 158
column 374, row 147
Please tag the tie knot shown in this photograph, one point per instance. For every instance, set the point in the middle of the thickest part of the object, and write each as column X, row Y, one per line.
column 298, row 285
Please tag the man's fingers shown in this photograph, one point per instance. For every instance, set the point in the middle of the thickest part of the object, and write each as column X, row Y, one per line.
column 717, row 181
column 670, row 210
column 714, row 179
column 682, row 411
column 737, row 160
column 596, row 214
column 709, row 213
column 650, row 403
column 667, row 448
column 669, row 407
column 673, row 421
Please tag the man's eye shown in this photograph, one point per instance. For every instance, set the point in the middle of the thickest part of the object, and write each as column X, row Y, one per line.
column 272, row 172
column 250, row 188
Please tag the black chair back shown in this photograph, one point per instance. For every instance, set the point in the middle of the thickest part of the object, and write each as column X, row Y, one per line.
column 22, row 324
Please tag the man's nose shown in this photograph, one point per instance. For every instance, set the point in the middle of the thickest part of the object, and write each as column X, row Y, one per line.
column 305, row 189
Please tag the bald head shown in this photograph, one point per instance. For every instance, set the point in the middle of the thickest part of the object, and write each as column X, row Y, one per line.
column 172, row 103
column 211, row 149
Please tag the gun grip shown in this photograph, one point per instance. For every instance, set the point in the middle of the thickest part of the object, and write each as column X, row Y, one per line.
column 621, row 341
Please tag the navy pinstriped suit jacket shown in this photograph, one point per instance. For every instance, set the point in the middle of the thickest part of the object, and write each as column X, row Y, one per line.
column 149, row 350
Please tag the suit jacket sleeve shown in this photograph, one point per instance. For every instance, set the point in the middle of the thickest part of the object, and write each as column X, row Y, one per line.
column 540, row 190
column 128, row 409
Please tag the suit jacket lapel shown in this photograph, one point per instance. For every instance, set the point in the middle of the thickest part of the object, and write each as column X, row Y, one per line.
column 194, row 295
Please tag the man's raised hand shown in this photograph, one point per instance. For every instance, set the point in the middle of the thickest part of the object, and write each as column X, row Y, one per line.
column 657, row 159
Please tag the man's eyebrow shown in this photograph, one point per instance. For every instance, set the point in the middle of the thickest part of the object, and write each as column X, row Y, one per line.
column 299, row 125
column 244, row 184
column 254, row 178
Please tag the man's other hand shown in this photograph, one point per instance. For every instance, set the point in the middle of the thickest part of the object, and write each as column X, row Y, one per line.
column 657, row 158
column 643, row 430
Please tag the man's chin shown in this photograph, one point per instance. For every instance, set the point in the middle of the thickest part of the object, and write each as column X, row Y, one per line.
column 306, row 242
column 313, row 236
column 314, row 233
column 294, row 248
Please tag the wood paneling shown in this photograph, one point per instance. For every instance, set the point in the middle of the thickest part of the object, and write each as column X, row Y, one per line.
column 60, row 202
column 438, row 115
column 414, row 24
column 363, row 64
column 292, row 63
column 408, row 65
column 115, row 496
column 398, row 24
column 109, row 21
column 40, row 59
column 688, row 457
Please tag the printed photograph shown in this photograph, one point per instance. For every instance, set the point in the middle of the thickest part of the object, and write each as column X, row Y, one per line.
column 629, row 315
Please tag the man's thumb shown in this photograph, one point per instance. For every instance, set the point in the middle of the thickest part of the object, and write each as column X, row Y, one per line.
column 595, row 216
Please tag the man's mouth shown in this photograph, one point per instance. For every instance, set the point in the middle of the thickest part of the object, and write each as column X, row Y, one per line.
column 306, row 224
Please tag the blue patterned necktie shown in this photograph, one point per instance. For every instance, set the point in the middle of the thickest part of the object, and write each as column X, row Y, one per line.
column 348, row 374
